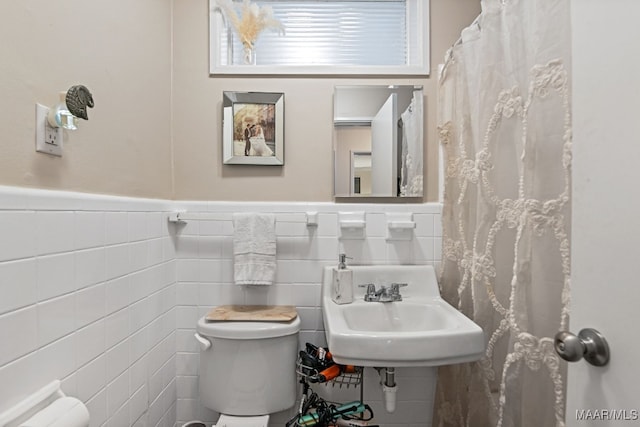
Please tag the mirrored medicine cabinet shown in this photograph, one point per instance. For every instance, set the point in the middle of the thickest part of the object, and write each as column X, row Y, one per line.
column 378, row 141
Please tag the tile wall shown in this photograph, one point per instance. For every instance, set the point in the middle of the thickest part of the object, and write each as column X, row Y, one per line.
column 204, row 250
column 104, row 294
column 87, row 296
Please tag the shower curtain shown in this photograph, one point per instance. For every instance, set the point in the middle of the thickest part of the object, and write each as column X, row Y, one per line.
column 505, row 127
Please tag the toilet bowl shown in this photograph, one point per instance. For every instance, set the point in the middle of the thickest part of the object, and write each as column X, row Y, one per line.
column 247, row 369
column 236, row 421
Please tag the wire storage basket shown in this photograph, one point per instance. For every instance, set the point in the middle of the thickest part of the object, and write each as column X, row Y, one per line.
column 347, row 379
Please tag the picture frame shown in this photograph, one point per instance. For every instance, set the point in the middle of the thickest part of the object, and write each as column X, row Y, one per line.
column 253, row 128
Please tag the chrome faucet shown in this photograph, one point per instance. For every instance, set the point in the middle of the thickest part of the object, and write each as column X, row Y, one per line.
column 384, row 294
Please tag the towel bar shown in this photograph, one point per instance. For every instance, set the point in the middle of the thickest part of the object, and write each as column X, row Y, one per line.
column 310, row 218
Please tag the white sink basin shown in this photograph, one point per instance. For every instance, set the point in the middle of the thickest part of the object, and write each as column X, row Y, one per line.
column 420, row 330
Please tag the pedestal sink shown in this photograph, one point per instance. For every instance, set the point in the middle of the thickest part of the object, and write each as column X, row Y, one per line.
column 420, row 330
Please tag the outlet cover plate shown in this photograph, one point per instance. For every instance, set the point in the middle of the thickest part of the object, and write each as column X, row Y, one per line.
column 48, row 138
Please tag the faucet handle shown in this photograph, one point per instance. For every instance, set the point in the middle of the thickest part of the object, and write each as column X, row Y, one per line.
column 370, row 294
column 371, row 288
column 395, row 287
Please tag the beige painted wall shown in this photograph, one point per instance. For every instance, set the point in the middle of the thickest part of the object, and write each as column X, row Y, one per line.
column 119, row 49
column 308, row 171
column 122, row 51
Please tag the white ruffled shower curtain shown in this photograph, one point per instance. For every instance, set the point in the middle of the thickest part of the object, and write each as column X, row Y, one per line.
column 505, row 126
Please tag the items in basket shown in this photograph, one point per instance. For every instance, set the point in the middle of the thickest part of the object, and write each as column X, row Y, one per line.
column 314, row 411
column 317, row 364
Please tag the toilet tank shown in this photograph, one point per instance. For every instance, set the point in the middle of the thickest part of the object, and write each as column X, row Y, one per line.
column 249, row 369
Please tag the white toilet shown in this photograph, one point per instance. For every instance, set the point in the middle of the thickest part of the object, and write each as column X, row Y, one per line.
column 247, row 369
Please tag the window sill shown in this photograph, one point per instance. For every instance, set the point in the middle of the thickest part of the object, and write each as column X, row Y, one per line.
column 323, row 70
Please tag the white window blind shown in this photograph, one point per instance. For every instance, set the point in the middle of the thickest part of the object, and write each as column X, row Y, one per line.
column 363, row 35
column 334, row 33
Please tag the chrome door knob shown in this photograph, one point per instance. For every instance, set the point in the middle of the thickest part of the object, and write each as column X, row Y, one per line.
column 588, row 344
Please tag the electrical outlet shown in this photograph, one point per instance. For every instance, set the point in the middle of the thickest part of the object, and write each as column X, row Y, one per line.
column 48, row 138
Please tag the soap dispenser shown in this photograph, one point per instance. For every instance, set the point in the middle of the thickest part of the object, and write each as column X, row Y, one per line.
column 342, row 289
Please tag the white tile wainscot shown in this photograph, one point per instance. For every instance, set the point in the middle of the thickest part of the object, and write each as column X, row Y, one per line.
column 88, row 296
column 104, row 294
column 204, row 252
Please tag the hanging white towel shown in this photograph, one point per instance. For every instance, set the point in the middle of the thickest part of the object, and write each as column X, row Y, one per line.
column 254, row 248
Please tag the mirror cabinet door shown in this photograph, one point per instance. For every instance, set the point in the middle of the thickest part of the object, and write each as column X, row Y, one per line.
column 378, row 141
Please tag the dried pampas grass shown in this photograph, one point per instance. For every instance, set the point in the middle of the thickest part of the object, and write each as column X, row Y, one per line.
column 251, row 22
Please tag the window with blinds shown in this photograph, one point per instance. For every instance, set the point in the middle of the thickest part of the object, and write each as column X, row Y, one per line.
column 330, row 37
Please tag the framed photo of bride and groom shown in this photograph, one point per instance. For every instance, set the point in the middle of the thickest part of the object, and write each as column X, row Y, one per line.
column 253, row 128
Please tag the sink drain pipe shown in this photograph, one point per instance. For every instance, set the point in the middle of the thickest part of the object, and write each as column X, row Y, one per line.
column 389, row 387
